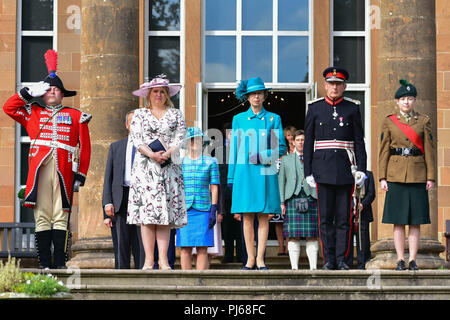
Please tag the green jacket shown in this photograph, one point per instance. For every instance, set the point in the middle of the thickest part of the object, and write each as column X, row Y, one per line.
column 291, row 178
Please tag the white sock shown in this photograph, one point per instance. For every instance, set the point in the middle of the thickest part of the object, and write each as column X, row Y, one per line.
column 312, row 250
column 294, row 253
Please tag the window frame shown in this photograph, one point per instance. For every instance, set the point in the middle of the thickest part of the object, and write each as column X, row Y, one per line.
column 358, row 87
column 238, row 33
column 164, row 33
column 19, row 139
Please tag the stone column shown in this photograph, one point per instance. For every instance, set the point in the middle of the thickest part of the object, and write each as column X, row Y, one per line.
column 109, row 73
column 407, row 49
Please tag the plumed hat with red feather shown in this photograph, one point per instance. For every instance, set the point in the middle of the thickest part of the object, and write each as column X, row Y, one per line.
column 51, row 60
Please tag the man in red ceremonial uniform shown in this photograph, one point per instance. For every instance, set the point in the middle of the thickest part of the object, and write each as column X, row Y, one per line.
column 335, row 158
column 59, row 156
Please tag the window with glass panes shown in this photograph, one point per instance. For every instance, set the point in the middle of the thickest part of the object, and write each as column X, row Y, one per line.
column 350, row 47
column 164, row 43
column 36, row 29
column 266, row 38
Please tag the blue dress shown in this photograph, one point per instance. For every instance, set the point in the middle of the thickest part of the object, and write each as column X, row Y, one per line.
column 255, row 180
column 198, row 174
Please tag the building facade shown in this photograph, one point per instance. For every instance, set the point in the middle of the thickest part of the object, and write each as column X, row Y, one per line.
column 107, row 48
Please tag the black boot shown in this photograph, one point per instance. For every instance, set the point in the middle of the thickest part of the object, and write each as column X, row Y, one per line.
column 59, row 248
column 43, row 241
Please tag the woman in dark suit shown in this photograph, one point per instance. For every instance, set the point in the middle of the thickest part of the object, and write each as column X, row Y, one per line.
column 407, row 172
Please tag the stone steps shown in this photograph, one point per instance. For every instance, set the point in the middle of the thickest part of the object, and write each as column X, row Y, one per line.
column 106, row 284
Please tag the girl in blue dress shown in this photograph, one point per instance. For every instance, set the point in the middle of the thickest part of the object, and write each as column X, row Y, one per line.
column 201, row 183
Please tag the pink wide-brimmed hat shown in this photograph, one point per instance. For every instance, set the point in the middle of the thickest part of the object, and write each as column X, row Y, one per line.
column 159, row 81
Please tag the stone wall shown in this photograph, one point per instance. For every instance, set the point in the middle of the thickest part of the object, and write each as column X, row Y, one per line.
column 443, row 112
column 7, row 88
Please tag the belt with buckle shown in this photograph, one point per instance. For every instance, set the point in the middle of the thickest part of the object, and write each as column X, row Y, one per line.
column 406, row 152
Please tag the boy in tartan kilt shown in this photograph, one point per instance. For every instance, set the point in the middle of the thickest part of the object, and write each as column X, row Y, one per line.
column 300, row 216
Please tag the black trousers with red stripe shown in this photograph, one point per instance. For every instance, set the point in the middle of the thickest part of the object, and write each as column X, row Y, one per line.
column 335, row 221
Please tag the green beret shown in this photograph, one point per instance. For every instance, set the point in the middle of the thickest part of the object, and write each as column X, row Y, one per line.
column 406, row 90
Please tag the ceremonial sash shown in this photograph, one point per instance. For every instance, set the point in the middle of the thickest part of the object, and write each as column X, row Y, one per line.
column 409, row 132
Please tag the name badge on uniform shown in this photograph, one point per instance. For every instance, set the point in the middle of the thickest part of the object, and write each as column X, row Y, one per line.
column 271, row 118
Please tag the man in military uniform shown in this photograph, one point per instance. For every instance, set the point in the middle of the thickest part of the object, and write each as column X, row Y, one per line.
column 334, row 160
column 56, row 165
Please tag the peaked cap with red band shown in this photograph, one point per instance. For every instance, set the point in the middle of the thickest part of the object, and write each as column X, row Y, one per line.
column 51, row 60
column 335, row 74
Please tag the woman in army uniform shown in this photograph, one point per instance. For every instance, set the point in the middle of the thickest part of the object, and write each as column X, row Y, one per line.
column 407, row 172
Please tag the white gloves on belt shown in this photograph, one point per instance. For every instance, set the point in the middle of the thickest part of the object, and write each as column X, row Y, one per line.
column 310, row 180
column 359, row 178
column 39, row 89
column 76, row 186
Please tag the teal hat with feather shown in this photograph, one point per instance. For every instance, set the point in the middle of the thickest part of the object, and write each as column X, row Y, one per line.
column 406, row 89
column 247, row 86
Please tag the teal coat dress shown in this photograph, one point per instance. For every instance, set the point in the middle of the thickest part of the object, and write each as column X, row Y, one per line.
column 257, row 141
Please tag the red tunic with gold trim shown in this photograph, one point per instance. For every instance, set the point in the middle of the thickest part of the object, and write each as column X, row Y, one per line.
column 54, row 131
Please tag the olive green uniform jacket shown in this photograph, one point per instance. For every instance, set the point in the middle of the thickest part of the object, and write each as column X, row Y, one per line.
column 411, row 169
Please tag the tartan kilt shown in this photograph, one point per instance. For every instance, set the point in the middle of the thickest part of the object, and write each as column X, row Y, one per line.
column 301, row 224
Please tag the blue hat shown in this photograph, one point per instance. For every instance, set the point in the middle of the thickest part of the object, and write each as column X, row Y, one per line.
column 192, row 132
column 248, row 86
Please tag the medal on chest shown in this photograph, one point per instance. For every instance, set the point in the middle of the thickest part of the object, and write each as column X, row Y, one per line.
column 334, row 114
column 340, row 121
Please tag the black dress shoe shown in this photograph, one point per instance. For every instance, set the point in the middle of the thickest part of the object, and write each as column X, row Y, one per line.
column 248, row 268
column 343, row 266
column 262, row 268
column 413, row 265
column 401, row 265
column 329, row 266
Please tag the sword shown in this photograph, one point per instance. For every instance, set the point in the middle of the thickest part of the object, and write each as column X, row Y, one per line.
column 357, row 197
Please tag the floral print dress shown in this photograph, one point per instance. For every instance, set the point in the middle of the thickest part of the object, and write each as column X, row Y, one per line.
column 157, row 194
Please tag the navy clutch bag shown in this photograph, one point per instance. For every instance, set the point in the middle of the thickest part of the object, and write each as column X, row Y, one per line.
column 157, row 146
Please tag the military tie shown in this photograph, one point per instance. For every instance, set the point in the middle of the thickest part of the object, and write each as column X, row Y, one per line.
column 407, row 117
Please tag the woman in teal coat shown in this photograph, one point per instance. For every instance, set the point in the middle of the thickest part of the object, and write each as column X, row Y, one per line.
column 257, row 141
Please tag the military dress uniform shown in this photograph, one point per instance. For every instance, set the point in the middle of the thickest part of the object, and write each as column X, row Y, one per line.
column 406, row 169
column 333, row 149
column 54, row 163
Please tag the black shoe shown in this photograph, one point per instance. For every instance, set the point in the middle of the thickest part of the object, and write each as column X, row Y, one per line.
column 343, row 266
column 262, row 268
column 248, row 268
column 329, row 266
column 401, row 265
column 413, row 265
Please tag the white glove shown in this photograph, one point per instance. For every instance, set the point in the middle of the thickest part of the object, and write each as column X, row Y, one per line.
column 310, row 180
column 39, row 89
column 359, row 178
column 76, row 186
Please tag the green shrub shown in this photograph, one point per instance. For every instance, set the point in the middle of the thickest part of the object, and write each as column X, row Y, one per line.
column 43, row 285
column 10, row 275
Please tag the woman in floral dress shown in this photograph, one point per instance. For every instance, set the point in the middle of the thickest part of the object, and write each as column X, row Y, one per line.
column 157, row 198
